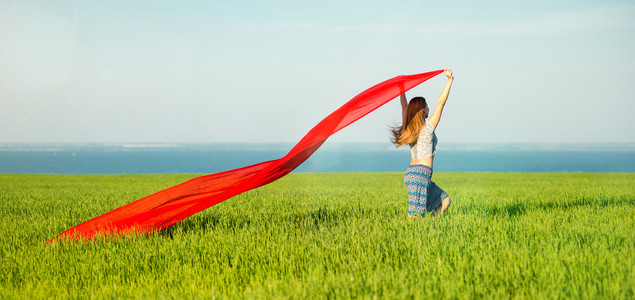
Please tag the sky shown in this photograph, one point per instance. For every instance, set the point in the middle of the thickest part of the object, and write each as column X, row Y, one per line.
column 268, row 71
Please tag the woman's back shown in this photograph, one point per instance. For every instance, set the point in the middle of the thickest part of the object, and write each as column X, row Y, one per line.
column 426, row 144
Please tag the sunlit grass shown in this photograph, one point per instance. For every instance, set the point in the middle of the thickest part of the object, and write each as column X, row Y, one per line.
column 330, row 235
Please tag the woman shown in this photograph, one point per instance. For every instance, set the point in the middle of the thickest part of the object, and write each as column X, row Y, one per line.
column 423, row 194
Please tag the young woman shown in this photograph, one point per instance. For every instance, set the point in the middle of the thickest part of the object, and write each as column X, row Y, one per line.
column 423, row 194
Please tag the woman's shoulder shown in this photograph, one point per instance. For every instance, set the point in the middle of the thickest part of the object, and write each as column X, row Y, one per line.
column 428, row 126
column 426, row 130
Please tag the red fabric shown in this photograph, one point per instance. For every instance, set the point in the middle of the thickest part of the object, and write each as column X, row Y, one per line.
column 170, row 206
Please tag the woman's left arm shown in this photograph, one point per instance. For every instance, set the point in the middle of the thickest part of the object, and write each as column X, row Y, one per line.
column 404, row 106
column 436, row 115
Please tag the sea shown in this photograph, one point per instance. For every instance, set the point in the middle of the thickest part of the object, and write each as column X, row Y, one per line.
column 130, row 158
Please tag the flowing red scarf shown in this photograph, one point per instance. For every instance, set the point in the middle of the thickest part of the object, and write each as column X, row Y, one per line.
column 170, row 206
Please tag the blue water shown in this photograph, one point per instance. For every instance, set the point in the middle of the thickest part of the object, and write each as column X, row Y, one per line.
column 185, row 160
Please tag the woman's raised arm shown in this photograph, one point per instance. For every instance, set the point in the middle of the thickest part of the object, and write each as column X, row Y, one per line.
column 436, row 115
column 404, row 106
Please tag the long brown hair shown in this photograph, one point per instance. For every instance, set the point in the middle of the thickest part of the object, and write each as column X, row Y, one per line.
column 408, row 132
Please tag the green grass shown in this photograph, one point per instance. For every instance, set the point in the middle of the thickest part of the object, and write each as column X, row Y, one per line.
column 330, row 235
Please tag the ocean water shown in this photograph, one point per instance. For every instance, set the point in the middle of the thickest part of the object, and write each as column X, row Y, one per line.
column 205, row 159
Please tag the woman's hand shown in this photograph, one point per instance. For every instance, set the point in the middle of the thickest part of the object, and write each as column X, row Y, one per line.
column 448, row 73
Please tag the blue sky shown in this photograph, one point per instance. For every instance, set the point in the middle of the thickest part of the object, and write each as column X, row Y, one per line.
column 268, row 71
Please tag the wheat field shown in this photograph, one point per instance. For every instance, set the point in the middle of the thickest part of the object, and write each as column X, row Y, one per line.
column 329, row 235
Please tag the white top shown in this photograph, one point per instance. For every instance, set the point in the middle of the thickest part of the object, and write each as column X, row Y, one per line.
column 426, row 143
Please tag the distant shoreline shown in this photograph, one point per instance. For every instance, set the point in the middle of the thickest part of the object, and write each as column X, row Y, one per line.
column 336, row 157
column 327, row 146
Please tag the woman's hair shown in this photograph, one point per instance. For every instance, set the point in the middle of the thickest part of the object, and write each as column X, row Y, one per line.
column 408, row 132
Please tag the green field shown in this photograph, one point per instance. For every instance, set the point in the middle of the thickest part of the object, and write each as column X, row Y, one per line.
column 330, row 236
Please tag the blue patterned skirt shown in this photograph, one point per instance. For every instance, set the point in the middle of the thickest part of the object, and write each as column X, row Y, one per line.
column 423, row 194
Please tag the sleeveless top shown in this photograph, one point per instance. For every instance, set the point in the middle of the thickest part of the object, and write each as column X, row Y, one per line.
column 426, row 143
